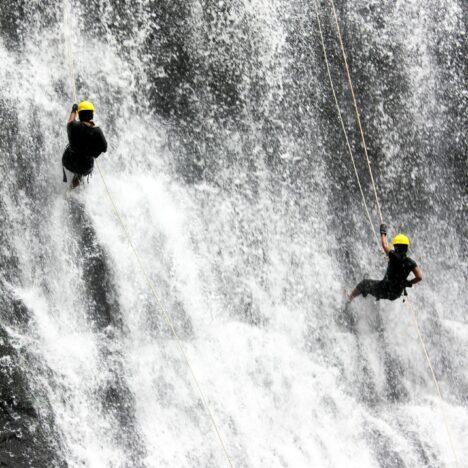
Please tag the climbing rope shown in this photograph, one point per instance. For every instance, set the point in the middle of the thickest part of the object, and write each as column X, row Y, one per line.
column 68, row 49
column 358, row 118
column 374, row 187
column 436, row 382
column 162, row 308
column 345, row 133
column 166, row 317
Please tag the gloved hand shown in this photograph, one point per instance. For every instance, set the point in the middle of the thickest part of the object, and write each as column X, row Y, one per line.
column 383, row 229
column 75, row 108
column 408, row 284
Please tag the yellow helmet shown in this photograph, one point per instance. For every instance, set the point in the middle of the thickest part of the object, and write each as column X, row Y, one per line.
column 85, row 105
column 400, row 239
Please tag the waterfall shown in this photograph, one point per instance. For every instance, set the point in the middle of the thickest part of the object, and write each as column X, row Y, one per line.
column 230, row 171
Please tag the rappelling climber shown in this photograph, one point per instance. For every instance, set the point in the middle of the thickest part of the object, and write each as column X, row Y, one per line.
column 399, row 267
column 85, row 143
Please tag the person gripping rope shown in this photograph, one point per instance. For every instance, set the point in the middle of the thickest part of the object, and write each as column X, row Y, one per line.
column 399, row 267
column 86, row 142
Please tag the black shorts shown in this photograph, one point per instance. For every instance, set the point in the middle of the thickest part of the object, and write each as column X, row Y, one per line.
column 379, row 289
column 77, row 163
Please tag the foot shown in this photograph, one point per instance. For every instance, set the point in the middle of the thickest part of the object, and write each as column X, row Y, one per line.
column 75, row 181
column 346, row 318
column 346, row 303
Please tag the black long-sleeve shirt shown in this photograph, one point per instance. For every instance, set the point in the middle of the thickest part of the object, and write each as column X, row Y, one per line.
column 85, row 143
column 399, row 267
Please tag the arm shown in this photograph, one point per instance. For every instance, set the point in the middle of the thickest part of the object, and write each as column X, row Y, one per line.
column 104, row 142
column 73, row 114
column 100, row 142
column 417, row 276
column 383, row 239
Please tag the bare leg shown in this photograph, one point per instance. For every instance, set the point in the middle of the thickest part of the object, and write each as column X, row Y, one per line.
column 75, row 181
column 347, row 317
column 354, row 293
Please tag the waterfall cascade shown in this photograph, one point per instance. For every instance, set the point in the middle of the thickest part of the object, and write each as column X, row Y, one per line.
column 229, row 168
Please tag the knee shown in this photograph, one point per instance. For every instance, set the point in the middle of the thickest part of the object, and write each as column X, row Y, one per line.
column 361, row 287
column 364, row 287
column 354, row 293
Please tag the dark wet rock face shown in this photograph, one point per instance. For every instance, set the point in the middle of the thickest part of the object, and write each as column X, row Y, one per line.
column 103, row 308
column 23, row 439
column 11, row 14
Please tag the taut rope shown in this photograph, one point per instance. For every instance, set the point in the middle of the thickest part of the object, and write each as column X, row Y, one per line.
column 374, row 187
column 162, row 308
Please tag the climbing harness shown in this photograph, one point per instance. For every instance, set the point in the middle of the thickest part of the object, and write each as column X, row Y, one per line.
column 374, row 187
column 162, row 308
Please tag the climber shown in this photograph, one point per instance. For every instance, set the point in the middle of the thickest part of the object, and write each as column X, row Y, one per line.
column 399, row 267
column 86, row 142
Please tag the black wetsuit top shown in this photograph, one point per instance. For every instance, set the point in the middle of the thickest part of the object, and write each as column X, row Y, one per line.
column 399, row 267
column 393, row 284
column 85, row 144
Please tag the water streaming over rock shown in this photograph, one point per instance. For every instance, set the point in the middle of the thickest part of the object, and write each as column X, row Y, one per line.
column 228, row 166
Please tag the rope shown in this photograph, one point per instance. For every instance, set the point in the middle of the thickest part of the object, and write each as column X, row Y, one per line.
column 68, row 47
column 434, row 378
column 415, row 318
column 361, row 131
column 345, row 133
column 167, row 318
column 150, row 283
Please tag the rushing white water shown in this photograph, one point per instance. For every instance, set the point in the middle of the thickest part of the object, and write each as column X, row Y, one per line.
column 248, row 259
